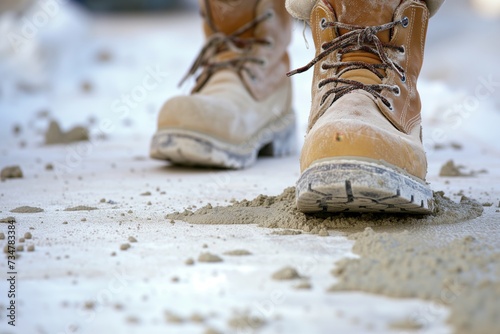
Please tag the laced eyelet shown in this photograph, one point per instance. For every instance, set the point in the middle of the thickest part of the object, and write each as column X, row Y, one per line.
column 270, row 42
column 403, row 79
column 322, row 24
column 402, row 49
column 405, row 22
column 396, row 90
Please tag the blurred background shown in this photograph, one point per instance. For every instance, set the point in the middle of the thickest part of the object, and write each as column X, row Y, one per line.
column 131, row 5
column 82, row 61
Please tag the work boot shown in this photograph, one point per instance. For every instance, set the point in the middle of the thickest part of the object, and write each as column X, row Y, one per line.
column 240, row 105
column 363, row 150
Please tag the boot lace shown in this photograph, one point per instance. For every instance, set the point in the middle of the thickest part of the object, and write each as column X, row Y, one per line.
column 358, row 38
column 219, row 42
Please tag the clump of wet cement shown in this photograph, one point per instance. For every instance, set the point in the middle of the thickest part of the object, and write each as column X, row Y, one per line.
column 11, row 172
column 55, row 135
column 401, row 256
column 27, row 209
column 462, row 274
column 280, row 212
column 449, row 169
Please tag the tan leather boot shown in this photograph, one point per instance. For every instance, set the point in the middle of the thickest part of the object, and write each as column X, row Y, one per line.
column 241, row 103
column 363, row 150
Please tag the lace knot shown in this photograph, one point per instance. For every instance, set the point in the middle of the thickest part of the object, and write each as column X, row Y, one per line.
column 357, row 38
column 367, row 35
column 219, row 42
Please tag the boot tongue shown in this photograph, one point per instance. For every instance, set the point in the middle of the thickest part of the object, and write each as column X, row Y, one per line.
column 364, row 13
column 230, row 15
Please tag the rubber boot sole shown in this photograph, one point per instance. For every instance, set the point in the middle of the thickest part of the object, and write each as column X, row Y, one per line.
column 185, row 147
column 361, row 185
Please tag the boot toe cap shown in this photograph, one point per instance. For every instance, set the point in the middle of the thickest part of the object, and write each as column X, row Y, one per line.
column 337, row 135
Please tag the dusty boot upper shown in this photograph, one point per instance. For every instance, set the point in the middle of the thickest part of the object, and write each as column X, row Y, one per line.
column 365, row 102
column 241, row 84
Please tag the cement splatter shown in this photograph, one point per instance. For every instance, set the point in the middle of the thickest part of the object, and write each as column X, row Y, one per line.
column 11, row 172
column 81, row 208
column 26, row 209
column 462, row 274
column 244, row 321
column 54, row 134
column 303, row 285
column 287, row 273
column 209, row 257
column 449, row 169
column 173, row 318
column 238, row 252
column 405, row 325
column 286, row 232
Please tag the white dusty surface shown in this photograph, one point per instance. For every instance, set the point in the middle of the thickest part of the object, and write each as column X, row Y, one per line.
column 72, row 283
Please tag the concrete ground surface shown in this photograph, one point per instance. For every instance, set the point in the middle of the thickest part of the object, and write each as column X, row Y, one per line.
column 80, row 277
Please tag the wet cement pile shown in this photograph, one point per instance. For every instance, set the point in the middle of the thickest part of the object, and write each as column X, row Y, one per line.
column 430, row 257
column 462, row 275
column 280, row 212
